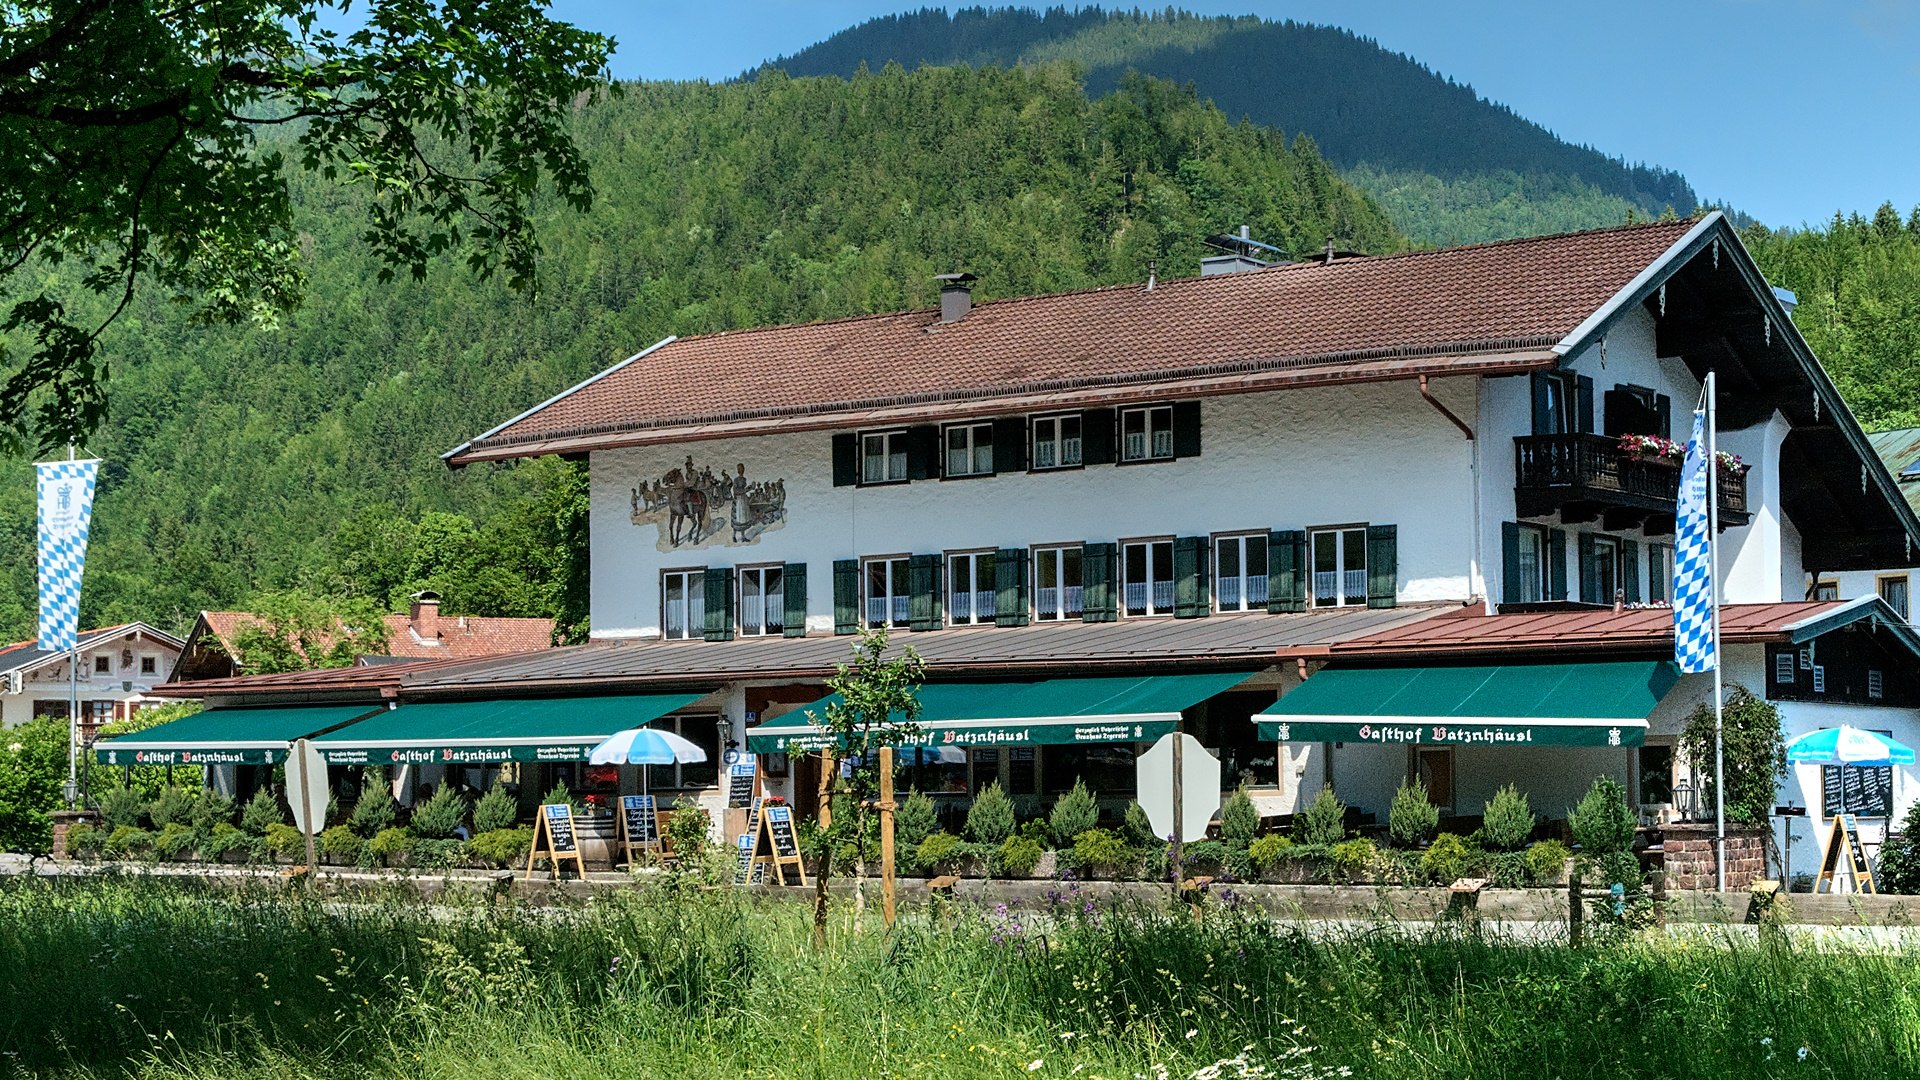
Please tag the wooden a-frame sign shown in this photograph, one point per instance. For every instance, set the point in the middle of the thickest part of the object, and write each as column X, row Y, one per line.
column 639, row 827
column 554, row 838
column 1844, row 842
column 778, row 846
column 751, row 869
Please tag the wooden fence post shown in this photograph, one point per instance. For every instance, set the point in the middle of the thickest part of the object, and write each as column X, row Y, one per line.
column 886, row 834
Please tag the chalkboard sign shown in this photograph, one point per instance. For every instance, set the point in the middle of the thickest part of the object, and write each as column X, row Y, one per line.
column 747, row 842
column 740, row 784
column 560, row 837
column 776, row 843
column 637, row 814
column 1843, row 843
column 780, row 826
column 553, row 838
column 1862, row 790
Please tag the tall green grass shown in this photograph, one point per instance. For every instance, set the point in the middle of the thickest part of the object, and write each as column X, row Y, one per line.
column 149, row 978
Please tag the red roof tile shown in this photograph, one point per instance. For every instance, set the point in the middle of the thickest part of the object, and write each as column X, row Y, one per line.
column 1470, row 631
column 1453, row 307
column 461, row 637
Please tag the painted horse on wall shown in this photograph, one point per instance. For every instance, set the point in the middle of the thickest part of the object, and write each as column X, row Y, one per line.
column 686, row 507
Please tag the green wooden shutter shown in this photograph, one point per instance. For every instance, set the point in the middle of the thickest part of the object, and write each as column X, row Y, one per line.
column 923, row 452
column 1096, row 437
column 1186, row 429
column 1287, row 571
column 846, row 596
column 1589, row 572
column 1542, row 419
column 1096, row 578
column 1190, row 578
column 1556, row 564
column 1010, row 444
column 719, row 603
column 923, row 592
column 1383, row 565
column 1509, row 562
column 1583, row 409
column 1010, row 587
column 1630, row 570
column 846, row 460
column 793, row 599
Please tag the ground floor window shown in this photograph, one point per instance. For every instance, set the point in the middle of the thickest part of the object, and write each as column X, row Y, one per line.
column 1108, row 769
column 1435, row 765
column 702, row 731
column 1655, row 767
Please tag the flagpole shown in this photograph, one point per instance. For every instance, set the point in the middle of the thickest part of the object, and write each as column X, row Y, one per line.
column 1713, row 585
column 73, row 707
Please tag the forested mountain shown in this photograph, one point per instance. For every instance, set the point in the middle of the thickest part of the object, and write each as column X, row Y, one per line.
column 1858, row 283
column 240, row 460
column 1448, row 165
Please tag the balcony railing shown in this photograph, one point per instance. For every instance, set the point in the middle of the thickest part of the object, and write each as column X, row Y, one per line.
column 1570, row 473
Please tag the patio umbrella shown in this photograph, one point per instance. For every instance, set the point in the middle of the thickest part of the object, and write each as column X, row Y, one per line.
column 646, row 746
column 1847, row 745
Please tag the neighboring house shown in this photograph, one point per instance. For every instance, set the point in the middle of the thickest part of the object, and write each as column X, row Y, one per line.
column 1899, row 451
column 421, row 633
column 1108, row 513
column 119, row 667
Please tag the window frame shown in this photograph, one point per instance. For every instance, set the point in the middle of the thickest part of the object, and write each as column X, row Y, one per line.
column 1566, row 391
column 678, row 724
column 1313, row 570
column 696, row 628
column 895, row 600
column 1150, row 543
column 1905, row 581
column 978, row 559
column 149, row 665
column 1150, row 412
column 740, row 575
column 1058, row 440
column 894, row 441
column 1039, row 553
column 973, row 428
column 1612, row 542
column 1542, row 580
column 103, row 665
column 1247, row 566
column 1826, row 589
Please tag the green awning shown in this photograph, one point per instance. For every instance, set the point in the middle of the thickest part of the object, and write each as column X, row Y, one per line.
column 1113, row 709
column 254, row 736
column 1585, row 704
column 476, row 732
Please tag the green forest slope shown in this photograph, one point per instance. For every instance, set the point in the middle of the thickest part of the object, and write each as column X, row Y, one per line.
column 239, row 461
column 1448, row 165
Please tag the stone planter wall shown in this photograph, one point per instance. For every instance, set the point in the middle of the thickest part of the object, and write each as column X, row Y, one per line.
column 1688, row 856
column 67, row 819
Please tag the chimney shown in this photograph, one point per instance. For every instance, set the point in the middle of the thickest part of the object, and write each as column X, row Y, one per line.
column 424, row 617
column 956, row 295
column 1242, row 252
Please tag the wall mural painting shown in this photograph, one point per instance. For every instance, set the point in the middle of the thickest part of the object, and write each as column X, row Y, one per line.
column 697, row 507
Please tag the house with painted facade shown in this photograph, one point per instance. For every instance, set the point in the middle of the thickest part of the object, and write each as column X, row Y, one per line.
column 1105, row 514
column 117, row 670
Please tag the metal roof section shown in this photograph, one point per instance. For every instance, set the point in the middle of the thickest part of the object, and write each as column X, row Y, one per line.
column 511, row 729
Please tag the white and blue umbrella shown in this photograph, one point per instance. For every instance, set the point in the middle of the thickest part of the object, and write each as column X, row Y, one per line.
column 646, row 746
column 1847, row 745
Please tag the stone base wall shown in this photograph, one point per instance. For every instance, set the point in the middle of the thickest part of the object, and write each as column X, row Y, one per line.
column 1688, row 856
column 67, row 819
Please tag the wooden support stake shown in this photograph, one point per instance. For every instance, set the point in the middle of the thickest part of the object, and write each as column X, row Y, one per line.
column 886, row 833
column 1179, row 809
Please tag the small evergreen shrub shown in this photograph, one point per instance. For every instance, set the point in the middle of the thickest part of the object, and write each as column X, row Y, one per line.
column 341, row 843
column 1899, row 857
column 438, row 853
column 261, row 811
column 126, row 840
column 1102, row 851
column 1447, row 859
column 1136, row 829
column 914, row 821
column 210, row 810
column 440, row 816
column 494, row 811
column 1266, row 852
column 285, row 841
column 375, row 811
column 559, row 795
column 84, row 839
column 1016, row 857
column 388, row 846
column 1546, row 860
column 1323, row 822
column 1509, row 820
column 174, row 840
column 1351, row 859
column 1412, row 819
column 173, row 806
column 1603, row 824
column 1037, row 831
column 1074, row 812
column 222, row 839
column 990, row 820
column 1239, row 818
column 1203, row 855
column 502, row 847
column 939, row 853
column 121, row 806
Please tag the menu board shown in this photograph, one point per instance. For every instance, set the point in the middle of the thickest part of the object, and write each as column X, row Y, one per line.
column 560, row 838
column 638, row 813
column 747, row 842
column 1863, row 790
column 786, row 845
column 554, row 839
column 740, row 784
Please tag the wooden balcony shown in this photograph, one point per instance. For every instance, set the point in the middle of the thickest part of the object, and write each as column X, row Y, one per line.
column 1584, row 477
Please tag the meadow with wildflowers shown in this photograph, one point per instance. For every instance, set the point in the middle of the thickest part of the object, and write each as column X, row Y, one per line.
column 146, row 978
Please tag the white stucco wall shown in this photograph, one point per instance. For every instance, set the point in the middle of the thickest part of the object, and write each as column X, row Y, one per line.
column 1373, row 453
column 123, row 682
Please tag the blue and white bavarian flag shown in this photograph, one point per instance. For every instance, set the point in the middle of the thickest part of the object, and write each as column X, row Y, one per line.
column 1693, row 645
column 66, row 513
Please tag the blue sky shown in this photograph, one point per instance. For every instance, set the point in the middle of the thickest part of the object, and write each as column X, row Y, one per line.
column 1789, row 109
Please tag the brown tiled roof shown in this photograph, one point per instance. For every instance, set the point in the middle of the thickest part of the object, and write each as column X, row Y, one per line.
column 460, row 637
column 385, row 678
column 1458, row 310
column 1471, row 632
